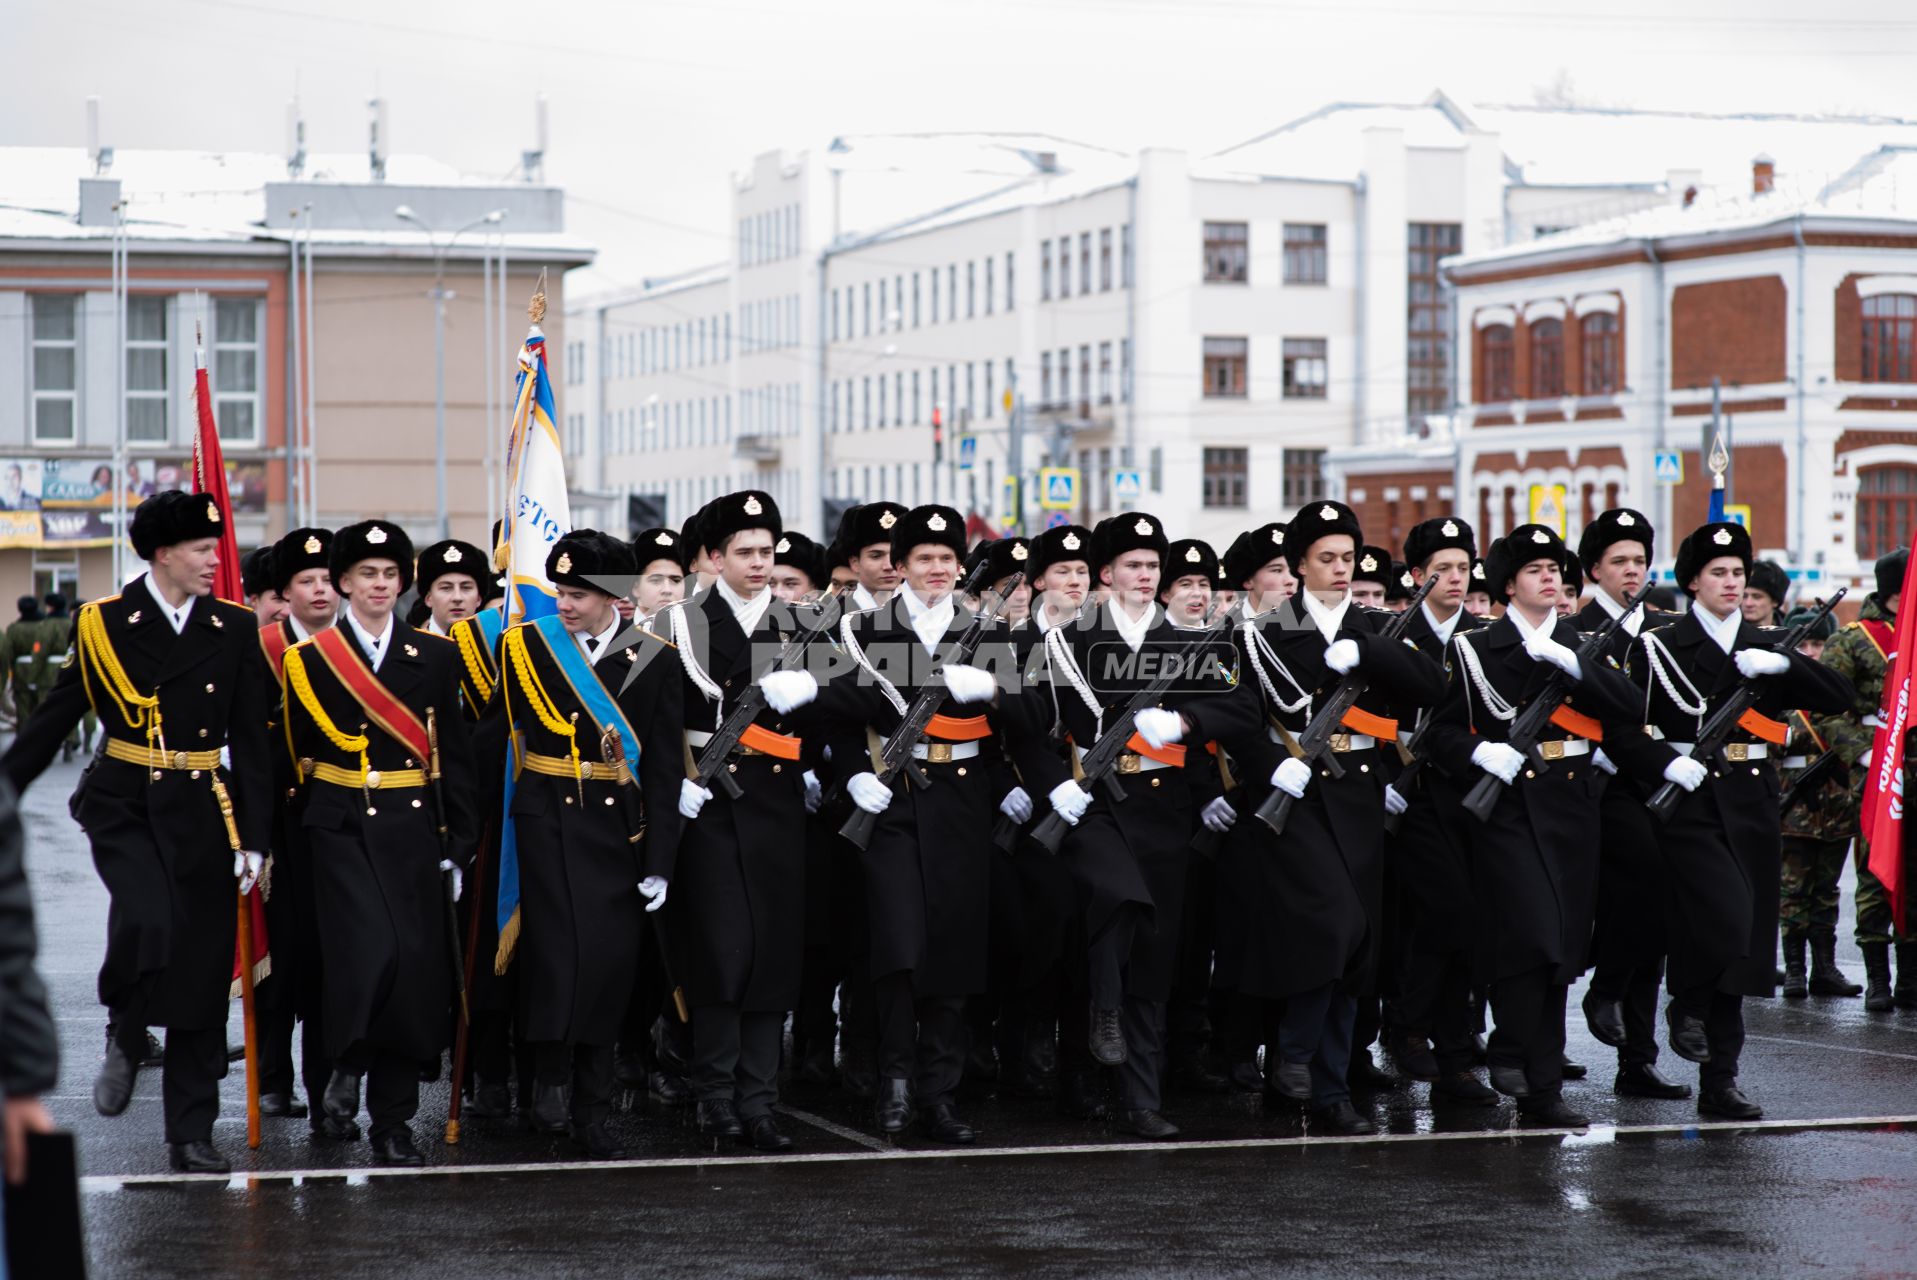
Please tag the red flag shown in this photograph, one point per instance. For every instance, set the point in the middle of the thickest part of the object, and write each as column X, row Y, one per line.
column 209, row 477
column 1882, row 818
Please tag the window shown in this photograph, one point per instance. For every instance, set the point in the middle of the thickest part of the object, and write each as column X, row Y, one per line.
column 1304, row 477
column 1105, row 260
column 1495, row 349
column 865, row 404
column 1304, row 253
column 935, row 295
column 235, row 374
column 1225, row 366
column 1597, row 338
column 898, row 302
column 1044, row 380
column 1104, row 373
column 1084, row 262
column 56, row 360
column 1011, row 294
column 916, row 415
column 1304, row 369
column 1227, row 252
column 884, row 313
column 1890, row 341
column 1427, row 329
column 1886, row 508
column 951, row 292
column 991, row 401
column 881, row 400
column 1044, row 270
column 1085, row 378
column 866, row 289
column 971, row 390
column 898, row 399
column 1125, row 255
column 1547, row 359
column 971, row 289
column 1064, row 377
column 915, row 299
column 146, row 353
column 1125, row 371
column 1064, row 266
column 1224, row 478
column 990, row 278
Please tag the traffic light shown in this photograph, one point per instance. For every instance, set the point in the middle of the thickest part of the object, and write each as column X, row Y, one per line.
column 938, row 434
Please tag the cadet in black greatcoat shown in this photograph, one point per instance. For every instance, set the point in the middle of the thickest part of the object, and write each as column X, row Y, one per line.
column 1722, row 845
column 1535, row 860
column 925, row 870
column 590, row 861
column 741, row 886
column 176, row 676
column 1312, row 897
column 366, row 702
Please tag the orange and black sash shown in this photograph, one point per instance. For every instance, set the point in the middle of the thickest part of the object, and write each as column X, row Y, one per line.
column 375, row 699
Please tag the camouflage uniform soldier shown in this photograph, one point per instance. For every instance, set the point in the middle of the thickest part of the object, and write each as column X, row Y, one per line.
column 1817, row 831
column 1858, row 652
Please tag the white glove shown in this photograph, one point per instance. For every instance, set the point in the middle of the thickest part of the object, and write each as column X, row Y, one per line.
column 868, row 792
column 1017, row 805
column 1499, row 759
column 1604, row 762
column 1291, row 777
column 692, row 798
column 785, row 690
column 1543, row 648
column 653, row 890
column 1218, row 815
column 813, row 793
column 1342, row 656
column 1070, row 801
column 1686, row 772
column 1158, row 726
column 969, row 684
column 246, row 869
column 1760, row 662
column 459, row 880
column 1395, row 803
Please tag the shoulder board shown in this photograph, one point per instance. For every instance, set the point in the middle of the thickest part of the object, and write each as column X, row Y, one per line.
column 645, row 634
column 237, row 604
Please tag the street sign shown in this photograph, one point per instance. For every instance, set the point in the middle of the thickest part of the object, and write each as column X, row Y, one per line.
column 1738, row 513
column 1667, row 465
column 1058, row 488
column 1057, row 519
column 1009, row 514
column 968, row 452
column 1127, row 487
column 1547, row 506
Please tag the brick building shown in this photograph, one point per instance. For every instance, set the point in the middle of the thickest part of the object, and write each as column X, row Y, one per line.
column 1584, row 354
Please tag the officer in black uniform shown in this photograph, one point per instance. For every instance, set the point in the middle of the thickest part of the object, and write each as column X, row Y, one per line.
column 177, row 678
column 375, row 728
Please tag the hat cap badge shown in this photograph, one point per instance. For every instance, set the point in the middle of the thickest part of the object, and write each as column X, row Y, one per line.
column 1722, row 537
column 1407, row 580
column 1070, row 542
column 1192, row 556
column 785, row 545
column 888, row 519
column 1143, row 528
column 1369, row 564
column 1625, row 518
column 311, row 546
column 1327, row 512
column 935, row 522
column 376, row 535
column 752, row 507
column 452, row 555
column 564, row 563
column 213, row 512
column 1540, row 536
column 1019, row 551
column 1449, row 528
column 1278, row 537
column 664, row 539
column 1477, row 571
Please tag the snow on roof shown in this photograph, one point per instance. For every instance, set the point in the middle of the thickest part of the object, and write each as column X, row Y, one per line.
column 216, row 197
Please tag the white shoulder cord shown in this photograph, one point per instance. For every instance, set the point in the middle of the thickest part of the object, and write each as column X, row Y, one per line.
column 1062, row 660
column 1255, row 644
column 1664, row 666
column 886, row 687
column 1494, row 702
column 682, row 640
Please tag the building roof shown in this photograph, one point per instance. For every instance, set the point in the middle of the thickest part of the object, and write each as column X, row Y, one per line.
column 220, row 199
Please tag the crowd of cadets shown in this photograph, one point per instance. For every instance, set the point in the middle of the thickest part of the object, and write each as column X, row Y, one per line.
column 641, row 911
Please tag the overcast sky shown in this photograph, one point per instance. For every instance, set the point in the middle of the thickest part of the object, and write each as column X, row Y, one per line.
column 655, row 102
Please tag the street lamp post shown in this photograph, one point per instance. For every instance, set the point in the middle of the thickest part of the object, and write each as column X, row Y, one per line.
column 440, row 294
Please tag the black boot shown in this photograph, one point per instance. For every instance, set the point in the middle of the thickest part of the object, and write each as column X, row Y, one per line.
column 1905, row 993
column 1826, row 979
column 1796, row 981
column 550, row 1111
column 114, row 1087
column 894, row 1111
column 718, row 1117
column 396, row 1149
column 943, row 1125
column 340, row 1102
column 1688, row 1040
column 196, row 1157
column 490, row 1102
column 1877, row 994
column 1107, row 1041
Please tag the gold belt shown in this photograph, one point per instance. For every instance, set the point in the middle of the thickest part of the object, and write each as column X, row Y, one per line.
column 376, row 779
column 589, row 770
column 153, row 758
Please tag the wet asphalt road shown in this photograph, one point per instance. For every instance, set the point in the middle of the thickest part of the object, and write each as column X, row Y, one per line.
column 1827, row 1184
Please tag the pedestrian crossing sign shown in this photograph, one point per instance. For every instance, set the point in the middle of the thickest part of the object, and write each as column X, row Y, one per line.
column 1667, row 466
column 1058, row 488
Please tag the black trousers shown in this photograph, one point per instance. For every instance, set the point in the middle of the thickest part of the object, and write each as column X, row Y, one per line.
column 194, row 1065
column 1142, row 1075
column 921, row 1038
column 1529, row 1012
column 1436, row 1001
column 813, row 1023
column 1635, row 989
column 1109, row 952
column 1316, row 1027
column 1723, row 1017
column 735, row 1057
column 392, row 1086
column 588, row 1067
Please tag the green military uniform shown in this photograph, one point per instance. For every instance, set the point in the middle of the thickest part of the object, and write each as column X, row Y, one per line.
column 1817, row 832
column 1856, row 654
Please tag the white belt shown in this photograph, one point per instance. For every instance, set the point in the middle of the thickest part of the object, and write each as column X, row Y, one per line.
column 1873, row 721
column 1559, row 748
column 1734, row 751
column 1793, row 762
column 944, row 752
column 1128, row 762
column 1340, row 741
column 696, row 738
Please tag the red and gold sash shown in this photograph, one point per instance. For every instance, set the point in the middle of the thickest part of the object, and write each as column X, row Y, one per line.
column 273, row 644
column 375, row 699
column 1880, row 634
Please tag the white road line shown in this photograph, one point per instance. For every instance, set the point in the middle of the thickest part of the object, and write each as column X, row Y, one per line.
column 1835, row 1048
column 1597, row 1134
column 836, row 1130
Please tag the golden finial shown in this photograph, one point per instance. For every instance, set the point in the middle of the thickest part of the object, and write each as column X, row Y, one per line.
column 1720, row 461
column 537, row 311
